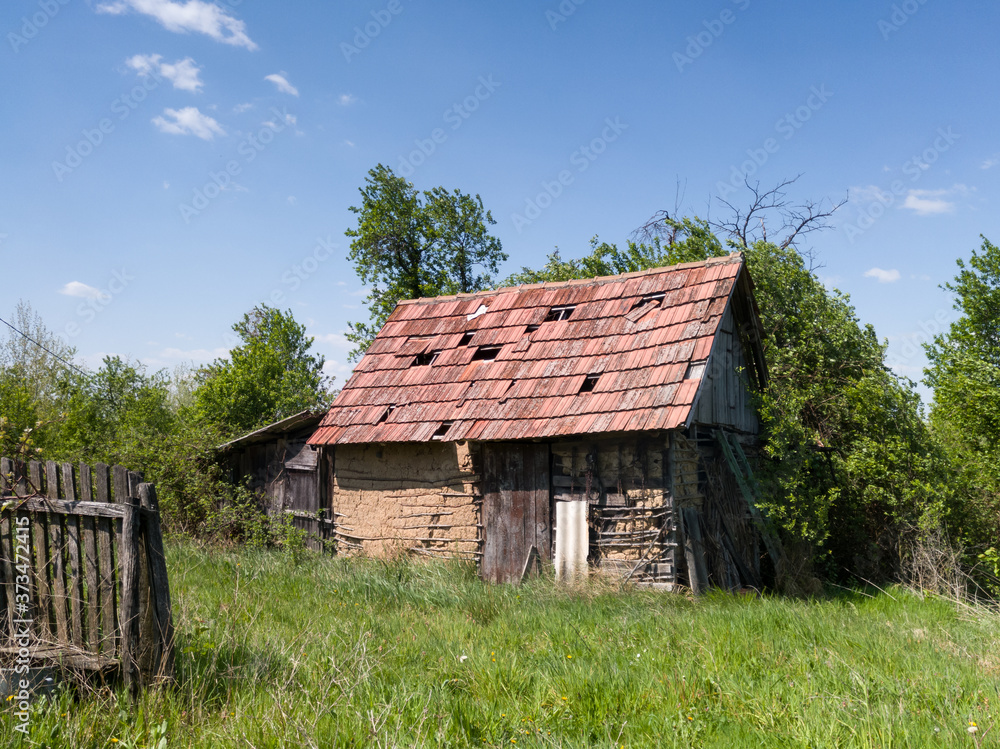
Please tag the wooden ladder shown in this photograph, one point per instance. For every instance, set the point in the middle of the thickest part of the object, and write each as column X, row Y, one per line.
column 750, row 489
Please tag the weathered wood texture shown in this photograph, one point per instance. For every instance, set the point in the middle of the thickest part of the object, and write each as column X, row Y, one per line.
column 516, row 508
column 285, row 472
column 627, row 483
column 724, row 398
column 85, row 581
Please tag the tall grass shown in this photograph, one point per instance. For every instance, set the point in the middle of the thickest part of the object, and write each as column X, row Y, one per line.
column 279, row 650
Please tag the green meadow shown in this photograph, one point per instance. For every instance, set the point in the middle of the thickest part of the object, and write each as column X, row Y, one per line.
column 279, row 649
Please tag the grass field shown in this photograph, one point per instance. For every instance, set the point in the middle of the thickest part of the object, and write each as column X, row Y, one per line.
column 279, row 650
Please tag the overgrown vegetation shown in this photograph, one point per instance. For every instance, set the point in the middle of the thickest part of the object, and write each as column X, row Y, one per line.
column 166, row 426
column 323, row 652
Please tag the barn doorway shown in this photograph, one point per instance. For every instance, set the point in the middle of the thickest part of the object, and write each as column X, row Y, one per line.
column 516, row 511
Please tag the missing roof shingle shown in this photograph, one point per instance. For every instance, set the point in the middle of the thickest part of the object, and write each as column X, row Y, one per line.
column 466, row 339
column 486, row 353
column 644, row 306
column 425, row 359
column 589, row 383
column 696, row 370
column 442, row 430
column 560, row 313
column 385, row 417
column 649, row 299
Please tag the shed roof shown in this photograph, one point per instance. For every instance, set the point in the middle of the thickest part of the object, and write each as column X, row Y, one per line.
column 304, row 420
column 608, row 354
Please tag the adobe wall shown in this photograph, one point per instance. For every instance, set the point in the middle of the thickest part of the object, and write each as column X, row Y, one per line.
column 421, row 498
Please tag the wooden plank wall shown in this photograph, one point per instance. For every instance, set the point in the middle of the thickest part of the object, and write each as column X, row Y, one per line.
column 725, row 397
column 284, row 471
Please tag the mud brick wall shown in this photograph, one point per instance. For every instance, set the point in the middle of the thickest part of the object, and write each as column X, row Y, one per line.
column 420, row 498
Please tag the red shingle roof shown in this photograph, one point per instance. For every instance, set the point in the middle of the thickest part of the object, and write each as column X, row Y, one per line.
column 537, row 385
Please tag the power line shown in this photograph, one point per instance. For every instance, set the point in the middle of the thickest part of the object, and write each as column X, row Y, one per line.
column 50, row 353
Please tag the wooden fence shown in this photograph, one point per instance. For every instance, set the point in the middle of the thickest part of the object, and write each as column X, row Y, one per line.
column 83, row 579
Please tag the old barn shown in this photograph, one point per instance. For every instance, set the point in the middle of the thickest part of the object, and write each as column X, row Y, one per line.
column 597, row 424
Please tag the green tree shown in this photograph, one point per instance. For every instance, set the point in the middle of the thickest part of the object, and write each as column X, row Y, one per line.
column 964, row 372
column 271, row 375
column 409, row 245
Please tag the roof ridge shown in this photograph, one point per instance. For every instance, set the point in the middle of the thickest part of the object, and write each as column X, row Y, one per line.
column 596, row 280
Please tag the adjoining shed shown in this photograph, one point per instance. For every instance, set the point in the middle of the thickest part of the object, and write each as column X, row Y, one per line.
column 599, row 423
column 276, row 462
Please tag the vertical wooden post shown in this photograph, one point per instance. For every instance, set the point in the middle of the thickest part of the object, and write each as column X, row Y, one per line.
column 119, row 477
column 7, row 578
column 33, row 485
column 164, row 632
column 86, row 484
column 128, row 561
column 694, row 551
column 102, row 483
column 51, row 479
column 6, row 476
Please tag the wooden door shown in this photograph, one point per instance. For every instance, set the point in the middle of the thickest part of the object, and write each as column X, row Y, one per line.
column 515, row 508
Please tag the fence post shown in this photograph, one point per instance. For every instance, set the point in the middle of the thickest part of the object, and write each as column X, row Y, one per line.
column 129, row 570
column 160, row 586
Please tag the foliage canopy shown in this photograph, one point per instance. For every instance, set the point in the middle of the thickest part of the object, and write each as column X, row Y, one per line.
column 409, row 244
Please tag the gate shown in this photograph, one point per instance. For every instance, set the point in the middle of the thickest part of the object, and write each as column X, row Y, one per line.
column 83, row 579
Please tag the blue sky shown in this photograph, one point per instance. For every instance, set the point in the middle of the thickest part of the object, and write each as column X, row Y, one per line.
column 170, row 163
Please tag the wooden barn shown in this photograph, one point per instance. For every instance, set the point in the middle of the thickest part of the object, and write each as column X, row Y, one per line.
column 598, row 424
column 276, row 462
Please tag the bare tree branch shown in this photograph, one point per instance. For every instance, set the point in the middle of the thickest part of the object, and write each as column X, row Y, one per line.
column 745, row 225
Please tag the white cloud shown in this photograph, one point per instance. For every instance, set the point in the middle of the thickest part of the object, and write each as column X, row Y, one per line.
column 166, row 185
column 183, row 73
column 184, row 17
column 347, row 100
column 292, row 200
column 349, row 143
column 933, row 202
column 869, row 194
column 991, row 162
column 882, row 276
column 82, row 290
column 279, row 80
column 928, row 202
column 240, row 108
column 188, row 121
